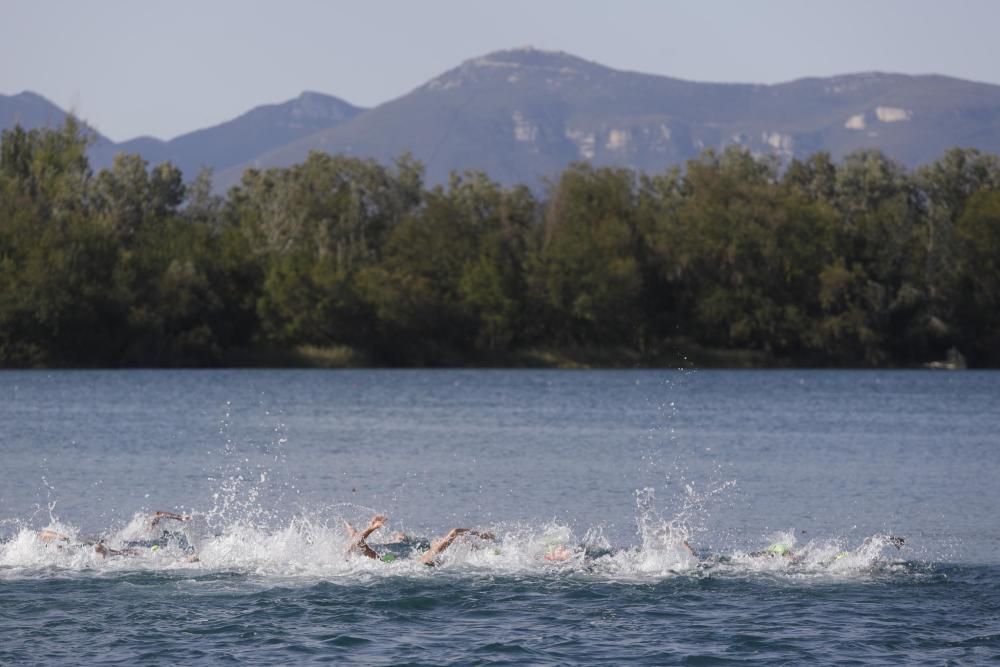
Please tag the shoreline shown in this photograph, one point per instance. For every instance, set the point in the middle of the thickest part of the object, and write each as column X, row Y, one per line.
column 669, row 355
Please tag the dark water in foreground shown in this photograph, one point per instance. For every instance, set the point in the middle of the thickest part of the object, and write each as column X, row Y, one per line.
column 620, row 468
column 149, row 617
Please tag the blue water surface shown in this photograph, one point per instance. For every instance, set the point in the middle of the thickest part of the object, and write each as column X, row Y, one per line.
column 619, row 467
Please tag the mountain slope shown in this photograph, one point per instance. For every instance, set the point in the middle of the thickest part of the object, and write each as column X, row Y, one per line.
column 524, row 114
column 240, row 139
column 32, row 111
column 259, row 130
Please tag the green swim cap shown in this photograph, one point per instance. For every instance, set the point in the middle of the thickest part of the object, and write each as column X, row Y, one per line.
column 778, row 549
column 388, row 558
column 155, row 547
column 842, row 554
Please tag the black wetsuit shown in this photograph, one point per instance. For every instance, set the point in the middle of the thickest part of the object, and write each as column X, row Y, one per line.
column 166, row 538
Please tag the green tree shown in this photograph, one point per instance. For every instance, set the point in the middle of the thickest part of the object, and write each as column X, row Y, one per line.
column 746, row 255
column 585, row 276
column 128, row 196
column 976, row 278
column 452, row 275
column 315, row 227
column 58, row 302
column 875, row 305
column 947, row 185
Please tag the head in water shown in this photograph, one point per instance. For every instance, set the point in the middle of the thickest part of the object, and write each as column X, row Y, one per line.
column 558, row 553
column 779, row 549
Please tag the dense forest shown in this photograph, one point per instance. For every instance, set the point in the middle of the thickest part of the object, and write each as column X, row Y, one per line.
column 735, row 259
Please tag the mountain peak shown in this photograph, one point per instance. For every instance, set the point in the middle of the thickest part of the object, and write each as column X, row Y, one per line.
column 514, row 65
column 531, row 58
column 30, row 110
column 29, row 96
column 317, row 106
column 32, row 99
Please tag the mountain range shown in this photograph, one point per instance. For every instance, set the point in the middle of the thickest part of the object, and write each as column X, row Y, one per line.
column 522, row 115
column 220, row 147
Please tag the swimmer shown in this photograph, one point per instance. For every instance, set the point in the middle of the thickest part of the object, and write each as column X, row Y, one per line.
column 437, row 547
column 166, row 538
column 48, row 535
column 360, row 545
column 775, row 550
column 132, row 547
column 784, row 550
column 560, row 553
column 878, row 541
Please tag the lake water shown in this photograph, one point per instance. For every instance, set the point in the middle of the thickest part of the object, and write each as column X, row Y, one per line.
column 611, row 470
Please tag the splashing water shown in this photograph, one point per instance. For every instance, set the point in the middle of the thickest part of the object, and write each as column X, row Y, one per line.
column 583, row 568
column 317, row 545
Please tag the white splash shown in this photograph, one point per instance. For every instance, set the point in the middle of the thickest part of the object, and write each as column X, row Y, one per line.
column 315, row 544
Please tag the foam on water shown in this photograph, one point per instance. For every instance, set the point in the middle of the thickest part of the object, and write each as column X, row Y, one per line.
column 591, row 483
column 316, row 546
column 249, row 529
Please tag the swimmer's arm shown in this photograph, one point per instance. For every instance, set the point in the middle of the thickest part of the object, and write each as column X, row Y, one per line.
column 377, row 522
column 445, row 542
column 160, row 515
column 106, row 551
column 483, row 536
column 48, row 535
column 887, row 540
column 359, row 538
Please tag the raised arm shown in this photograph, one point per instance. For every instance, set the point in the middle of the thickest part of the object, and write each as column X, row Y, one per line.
column 430, row 557
column 358, row 538
column 377, row 522
column 440, row 545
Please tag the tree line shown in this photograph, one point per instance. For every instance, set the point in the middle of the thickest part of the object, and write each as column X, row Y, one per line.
column 853, row 263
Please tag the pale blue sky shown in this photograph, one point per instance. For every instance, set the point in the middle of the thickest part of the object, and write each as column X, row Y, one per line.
column 164, row 68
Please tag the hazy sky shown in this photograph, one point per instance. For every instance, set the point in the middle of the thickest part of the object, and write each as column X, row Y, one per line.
column 163, row 68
